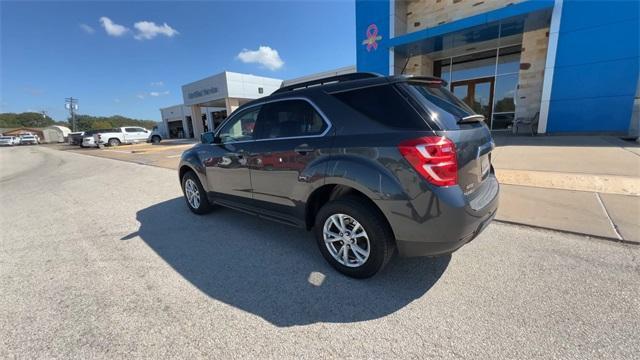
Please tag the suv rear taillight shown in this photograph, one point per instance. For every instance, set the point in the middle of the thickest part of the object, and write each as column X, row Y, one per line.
column 434, row 157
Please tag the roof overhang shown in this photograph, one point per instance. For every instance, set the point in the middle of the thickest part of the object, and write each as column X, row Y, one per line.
column 490, row 26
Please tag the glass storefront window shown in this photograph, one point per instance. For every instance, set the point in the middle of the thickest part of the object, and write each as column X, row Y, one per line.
column 473, row 69
column 487, row 81
column 509, row 60
column 446, row 73
column 442, row 69
column 505, row 93
column 502, row 121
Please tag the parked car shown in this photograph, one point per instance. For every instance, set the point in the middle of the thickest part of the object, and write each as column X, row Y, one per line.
column 122, row 135
column 9, row 141
column 29, row 139
column 88, row 139
column 369, row 163
column 154, row 136
column 75, row 138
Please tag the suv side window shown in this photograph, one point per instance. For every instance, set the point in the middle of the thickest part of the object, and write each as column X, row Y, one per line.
column 131, row 130
column 383, row 104
column 290, row 118
column 241, row 127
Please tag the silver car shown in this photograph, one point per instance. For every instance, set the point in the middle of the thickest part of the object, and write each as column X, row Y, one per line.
column 8, row 141
column 29, row 139
column 88, row 141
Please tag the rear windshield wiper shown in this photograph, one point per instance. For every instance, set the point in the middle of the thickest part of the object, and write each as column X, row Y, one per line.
column 471, row 119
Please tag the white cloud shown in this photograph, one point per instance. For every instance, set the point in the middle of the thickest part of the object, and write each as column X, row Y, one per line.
column 264, row 56
column 112, row 28
column 148, row 30
column 157, row 83
column 159, row 93
column 116, row 100
column 86, row 28
column 140, row 96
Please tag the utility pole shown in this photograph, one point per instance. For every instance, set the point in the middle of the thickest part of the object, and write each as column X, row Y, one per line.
column 71, row 104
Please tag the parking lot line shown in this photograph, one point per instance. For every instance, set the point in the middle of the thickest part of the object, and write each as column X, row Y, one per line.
column 158, row 148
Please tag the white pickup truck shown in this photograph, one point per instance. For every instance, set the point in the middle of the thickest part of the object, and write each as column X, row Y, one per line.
column 122, row 135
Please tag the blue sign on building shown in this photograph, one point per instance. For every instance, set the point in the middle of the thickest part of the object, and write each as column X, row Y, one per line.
column 571, row 66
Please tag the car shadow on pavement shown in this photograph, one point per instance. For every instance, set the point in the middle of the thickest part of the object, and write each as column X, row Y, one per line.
column 276, row 271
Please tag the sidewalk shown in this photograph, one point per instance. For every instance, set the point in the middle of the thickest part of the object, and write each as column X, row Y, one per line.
column 581, row 184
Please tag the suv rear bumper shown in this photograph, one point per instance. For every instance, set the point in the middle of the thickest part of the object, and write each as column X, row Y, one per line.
column 442, row 221
column 424, row 248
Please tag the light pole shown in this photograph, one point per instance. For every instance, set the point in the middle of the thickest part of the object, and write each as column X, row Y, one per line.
column 71, row 104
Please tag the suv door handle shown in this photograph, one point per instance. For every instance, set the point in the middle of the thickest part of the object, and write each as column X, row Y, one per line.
column 303, row 149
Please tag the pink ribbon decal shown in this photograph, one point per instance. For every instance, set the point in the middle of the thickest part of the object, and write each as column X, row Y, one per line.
column 372, row 37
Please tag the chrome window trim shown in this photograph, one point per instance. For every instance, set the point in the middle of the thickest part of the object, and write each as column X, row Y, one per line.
column 315, row 107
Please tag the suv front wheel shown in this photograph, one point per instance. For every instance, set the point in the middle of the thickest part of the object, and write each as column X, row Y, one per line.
column 194, row 194
column 354, row 238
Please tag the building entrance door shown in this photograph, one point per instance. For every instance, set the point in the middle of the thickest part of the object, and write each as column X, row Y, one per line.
column 477, row 93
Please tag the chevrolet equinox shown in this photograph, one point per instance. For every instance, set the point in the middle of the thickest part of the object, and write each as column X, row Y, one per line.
column 369, row 163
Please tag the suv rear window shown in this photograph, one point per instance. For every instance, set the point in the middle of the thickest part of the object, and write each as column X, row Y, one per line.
column 439, row 101
column 383, row 104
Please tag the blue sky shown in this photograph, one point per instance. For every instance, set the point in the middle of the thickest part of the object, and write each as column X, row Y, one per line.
column 131, row 63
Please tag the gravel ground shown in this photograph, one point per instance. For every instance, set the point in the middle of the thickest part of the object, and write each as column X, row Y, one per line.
column 101, row 259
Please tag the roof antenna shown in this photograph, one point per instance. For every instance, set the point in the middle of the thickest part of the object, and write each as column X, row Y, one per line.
column 405, row 66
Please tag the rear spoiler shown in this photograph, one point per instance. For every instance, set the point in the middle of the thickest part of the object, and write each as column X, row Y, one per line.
column 424, row 80
column 471, row 119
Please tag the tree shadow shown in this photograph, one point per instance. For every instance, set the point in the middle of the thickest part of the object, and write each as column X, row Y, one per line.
column 273, row 270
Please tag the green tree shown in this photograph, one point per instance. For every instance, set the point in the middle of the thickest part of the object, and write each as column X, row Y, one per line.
column 88, row 122
column 25, row 119
column 83, row 122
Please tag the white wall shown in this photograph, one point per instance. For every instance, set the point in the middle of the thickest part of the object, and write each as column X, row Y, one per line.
column 176, row 112
column 228, row 84
column 204, row 90
column 320, row 75
column 246, row 86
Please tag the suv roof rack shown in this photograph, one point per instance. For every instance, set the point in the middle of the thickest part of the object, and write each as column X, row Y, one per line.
column 327, row 80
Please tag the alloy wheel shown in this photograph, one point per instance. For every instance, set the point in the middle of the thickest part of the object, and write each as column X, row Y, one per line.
column 192, row 193
column 346, row 240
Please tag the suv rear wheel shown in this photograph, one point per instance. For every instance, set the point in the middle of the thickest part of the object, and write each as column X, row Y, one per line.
column 114, row 142
column 194, row 194
column 353, row 237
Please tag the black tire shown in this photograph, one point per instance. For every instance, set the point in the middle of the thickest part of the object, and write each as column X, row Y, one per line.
column 114, row 142
column 155, row 139
column 203, row 204
column 381, row 240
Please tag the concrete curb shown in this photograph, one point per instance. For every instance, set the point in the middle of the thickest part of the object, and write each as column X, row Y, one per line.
column 607, row 184
column 599, row 237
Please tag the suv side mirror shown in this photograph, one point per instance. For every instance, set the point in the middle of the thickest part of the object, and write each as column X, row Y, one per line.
column 207, row 138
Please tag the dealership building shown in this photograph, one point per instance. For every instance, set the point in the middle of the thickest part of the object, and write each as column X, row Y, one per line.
column 208, row 101
column 570, row 66
column 564, row 66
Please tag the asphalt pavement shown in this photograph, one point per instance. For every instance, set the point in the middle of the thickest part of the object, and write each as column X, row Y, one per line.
column 102, row 259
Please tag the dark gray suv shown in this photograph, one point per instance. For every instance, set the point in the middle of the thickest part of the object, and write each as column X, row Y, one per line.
column 369, row 163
